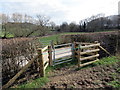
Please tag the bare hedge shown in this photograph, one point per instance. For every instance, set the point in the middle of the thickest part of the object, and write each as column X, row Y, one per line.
column 16, row 53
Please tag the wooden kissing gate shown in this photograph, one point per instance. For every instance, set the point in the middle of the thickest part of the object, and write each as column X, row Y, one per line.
column 84, row 53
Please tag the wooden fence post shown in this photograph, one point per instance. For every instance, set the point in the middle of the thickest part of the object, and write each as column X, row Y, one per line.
column 41, row 63
column 96, row 48
column 77, row 53
column 50, row 55
column 73, row 51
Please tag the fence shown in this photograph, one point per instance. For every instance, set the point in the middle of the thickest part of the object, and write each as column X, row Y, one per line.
column 87, row 54
column 84, row 53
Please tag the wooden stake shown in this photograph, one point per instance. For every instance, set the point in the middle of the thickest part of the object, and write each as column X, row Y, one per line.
column 50, row 55
column 77, row 51
column 105, row 50
column 40, row 59
column 96, row 48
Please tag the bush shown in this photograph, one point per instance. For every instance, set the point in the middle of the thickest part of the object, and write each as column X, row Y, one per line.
column 16, row 53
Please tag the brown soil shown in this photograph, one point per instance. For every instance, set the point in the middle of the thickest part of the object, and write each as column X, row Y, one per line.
column 94, row 77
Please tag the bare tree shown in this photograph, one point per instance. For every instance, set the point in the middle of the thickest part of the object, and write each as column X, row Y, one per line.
column 5, row 19
column 41, row 25
column 16, row 17
column 43, row 20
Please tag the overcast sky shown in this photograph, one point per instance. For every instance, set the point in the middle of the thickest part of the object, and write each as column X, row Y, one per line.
column 61, row 10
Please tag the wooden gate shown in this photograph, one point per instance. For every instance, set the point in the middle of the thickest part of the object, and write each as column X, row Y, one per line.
column 61, row 53
column 87, row 53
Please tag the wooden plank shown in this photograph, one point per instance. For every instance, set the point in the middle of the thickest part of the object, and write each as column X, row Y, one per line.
column 63, row 56
column 11, row 81
column 105, row 50
column 50, row 55
column 89, row 46
column 46, row 65
column 40, row 59
column 81, row 43
column 89, row 63
column 45, row 58
column 96, row 48
column 63, row 45
column 93, row 56
column 78, row 54
column 45, row 48
column 62, row 62
column 90, row 51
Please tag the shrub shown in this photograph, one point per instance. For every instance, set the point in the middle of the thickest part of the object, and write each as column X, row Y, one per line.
column 16, row 53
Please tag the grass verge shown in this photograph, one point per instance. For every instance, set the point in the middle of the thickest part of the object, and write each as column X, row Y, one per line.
column 37, row 83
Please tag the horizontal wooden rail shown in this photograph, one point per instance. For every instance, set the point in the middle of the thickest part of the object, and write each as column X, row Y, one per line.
column 63, row 56
column 89, row 63
column 84, row 43
column 63, row 45
column 45, row 48
column 90, row 51
column 89, row 57
column 89, row 46
column 62, row 62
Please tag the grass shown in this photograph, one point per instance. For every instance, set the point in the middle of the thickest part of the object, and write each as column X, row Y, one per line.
column 103, row 61
column 115, row 84
column 8, row 35
column 106, row 60
column 37, row 83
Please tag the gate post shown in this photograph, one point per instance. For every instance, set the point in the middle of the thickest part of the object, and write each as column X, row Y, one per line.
column 50, row 55
column 77, row 53
column 96, row 48
column 41, row 63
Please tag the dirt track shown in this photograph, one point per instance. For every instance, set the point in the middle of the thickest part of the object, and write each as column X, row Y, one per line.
column 94, row 77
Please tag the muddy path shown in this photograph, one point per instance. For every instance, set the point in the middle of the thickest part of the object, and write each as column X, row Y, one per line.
column 94, row 77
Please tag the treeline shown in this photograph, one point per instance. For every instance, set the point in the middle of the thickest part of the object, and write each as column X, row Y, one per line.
column 20, row 25
column 95, row 23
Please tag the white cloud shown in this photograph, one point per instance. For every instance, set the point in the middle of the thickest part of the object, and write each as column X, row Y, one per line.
column 61, row 10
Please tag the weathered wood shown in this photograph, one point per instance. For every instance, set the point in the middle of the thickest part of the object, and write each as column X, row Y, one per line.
column 96, row 48
column 11, row 81
column 62, row 62
column 105, row 50
column 77, row 51
column 46, row 66
column 89, row 63
column 90, row 51
column 40, row 59
column 56, row 61
column 89, row 57
column 89, row 46
column 45, row 48
column 50, row 55
column 63, row 45
column 83, row 43
column 63, row 55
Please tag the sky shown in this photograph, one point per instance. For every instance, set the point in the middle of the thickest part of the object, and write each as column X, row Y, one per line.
column 61, row 11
